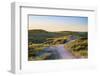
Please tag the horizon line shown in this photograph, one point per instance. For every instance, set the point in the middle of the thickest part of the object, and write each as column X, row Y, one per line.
column 59, row 31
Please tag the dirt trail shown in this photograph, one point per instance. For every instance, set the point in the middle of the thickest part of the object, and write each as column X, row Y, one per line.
column 62, row 52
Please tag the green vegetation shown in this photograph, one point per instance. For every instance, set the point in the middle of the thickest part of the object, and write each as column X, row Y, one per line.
column 78, row 47
column 41, row 36
column 39, row 40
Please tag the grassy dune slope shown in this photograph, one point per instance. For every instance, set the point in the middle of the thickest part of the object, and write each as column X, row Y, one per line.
column 78, row 47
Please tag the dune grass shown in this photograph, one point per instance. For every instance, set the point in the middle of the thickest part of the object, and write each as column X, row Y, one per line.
column 78, row 48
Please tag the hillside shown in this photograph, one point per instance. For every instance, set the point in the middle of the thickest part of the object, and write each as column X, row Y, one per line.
column 40, row 36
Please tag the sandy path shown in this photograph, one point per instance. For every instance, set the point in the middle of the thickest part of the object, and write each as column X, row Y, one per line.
column 61, row 52
column 64, row 53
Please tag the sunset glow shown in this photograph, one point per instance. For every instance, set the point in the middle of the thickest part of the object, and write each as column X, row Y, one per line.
column 58, row 23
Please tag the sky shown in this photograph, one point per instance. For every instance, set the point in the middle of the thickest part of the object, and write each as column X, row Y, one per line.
column 58, row 23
